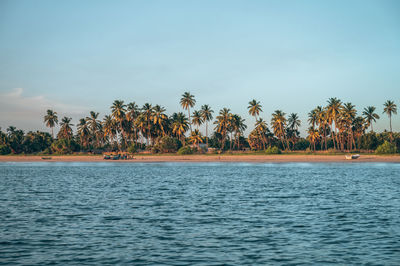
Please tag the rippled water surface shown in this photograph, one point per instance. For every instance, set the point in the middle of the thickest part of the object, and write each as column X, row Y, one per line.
column 199, row 213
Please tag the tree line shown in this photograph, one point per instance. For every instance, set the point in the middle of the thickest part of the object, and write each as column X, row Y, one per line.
column 129, row 127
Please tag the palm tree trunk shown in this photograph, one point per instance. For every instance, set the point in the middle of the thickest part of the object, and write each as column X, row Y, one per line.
column 207, row 133
column 190, row 121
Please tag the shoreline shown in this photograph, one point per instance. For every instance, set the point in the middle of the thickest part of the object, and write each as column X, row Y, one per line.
column 281, row 158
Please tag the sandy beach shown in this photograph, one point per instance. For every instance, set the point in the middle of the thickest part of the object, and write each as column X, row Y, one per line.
column 206, row 158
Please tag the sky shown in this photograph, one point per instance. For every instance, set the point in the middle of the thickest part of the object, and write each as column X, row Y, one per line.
column 78, row 56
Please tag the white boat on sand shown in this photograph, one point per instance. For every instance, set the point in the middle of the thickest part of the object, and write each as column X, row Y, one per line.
column 352, row 157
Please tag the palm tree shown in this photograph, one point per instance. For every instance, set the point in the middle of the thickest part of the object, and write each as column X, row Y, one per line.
column 159, row 117
column 333, row 111
column 83, row 132
column 197, row 119
column 254, row 108
column 322, row 122
column 348, row 114
column 370, row 116
column 94, row 126
column 261, row 128
column 278, row 123
column 223, row 121
column 313, row 136
column 188, row 101
column 109, row 128
column 293, row 126
column 238, row 126
column 390, row 108
column 196, row 138
column 179, row 125
column 147, row 111
column 51, row 119
column 65, row 130
column 118, row 113
column 206, row 114
column 132, row 112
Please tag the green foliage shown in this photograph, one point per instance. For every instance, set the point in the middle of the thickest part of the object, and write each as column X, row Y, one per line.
column 369, row 141
column 36, row 142
column 169, row 144
column 4, row 149
column 273, row 150
column 185, row 150
column 386, row 148
column 302, row 144
column 64, row 146
column 133, row 148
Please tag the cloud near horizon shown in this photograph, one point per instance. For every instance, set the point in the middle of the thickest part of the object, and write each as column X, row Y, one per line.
column 26, row 112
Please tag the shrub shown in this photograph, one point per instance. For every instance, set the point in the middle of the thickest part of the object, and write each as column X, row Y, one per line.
column 386, row 148
column 273, row 150
column 132, row 148
column 64, row 146
column 169, row 144
column 185, row 150
column 4, row 149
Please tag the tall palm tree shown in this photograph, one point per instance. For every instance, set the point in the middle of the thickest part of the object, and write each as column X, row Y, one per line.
column 322, row 123
column 390, row 108
column 348, row 114
column 180, row 125
column 313, row 136
column 188, row 101
column 238, row 126
column 147, row 111
column 261, row 128
column 109, row 128
column 132, row 112
column 159, row 117
column 94, row 126
column 197, row 119
column 370, row 116
column 83, row 132
column 118, row 110
column 278, row 123
column 293, row 126
column 51, row 119
column 206, row 114
column 333, row 111
column 223, row 122
column 65, row 130
column 254, row 108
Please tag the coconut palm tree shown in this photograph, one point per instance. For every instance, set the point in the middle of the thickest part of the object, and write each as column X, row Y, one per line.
column 65, row 130
column 132, row 112
column 196, row 138
column 160, row 118
column 313, row 136
column 84, row 132
column 261, row 129
column 348, row 114
column 390, row 108
column 238, row 126
column 333, row 111
column 322, row 123
column 109, row 128
column 206, row 114
column 147, row 111
column 197, row 119
column 94, row 126
column 254, row 108
column 278, row 123
column 118, row 110
column 293, row 126
column 370, row 116
column 188, row 101
column 223, row 122
column 180, row 125
column 51, row 119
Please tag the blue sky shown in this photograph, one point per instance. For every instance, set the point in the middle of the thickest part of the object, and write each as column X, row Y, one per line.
column 77, row 56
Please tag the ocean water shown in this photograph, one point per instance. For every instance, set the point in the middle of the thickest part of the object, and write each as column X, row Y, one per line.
column 199, row 213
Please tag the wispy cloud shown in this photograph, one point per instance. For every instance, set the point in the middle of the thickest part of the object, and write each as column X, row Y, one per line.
column 27, row 112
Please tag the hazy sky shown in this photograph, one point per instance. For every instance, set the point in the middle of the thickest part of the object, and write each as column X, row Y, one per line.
column 77, row 56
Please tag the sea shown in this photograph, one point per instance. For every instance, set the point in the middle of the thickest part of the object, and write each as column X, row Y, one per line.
column 112, row 213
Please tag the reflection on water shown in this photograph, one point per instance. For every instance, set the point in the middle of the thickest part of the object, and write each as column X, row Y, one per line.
column 199, row 213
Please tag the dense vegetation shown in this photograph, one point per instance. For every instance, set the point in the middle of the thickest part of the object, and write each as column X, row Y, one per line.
column 334, row 127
